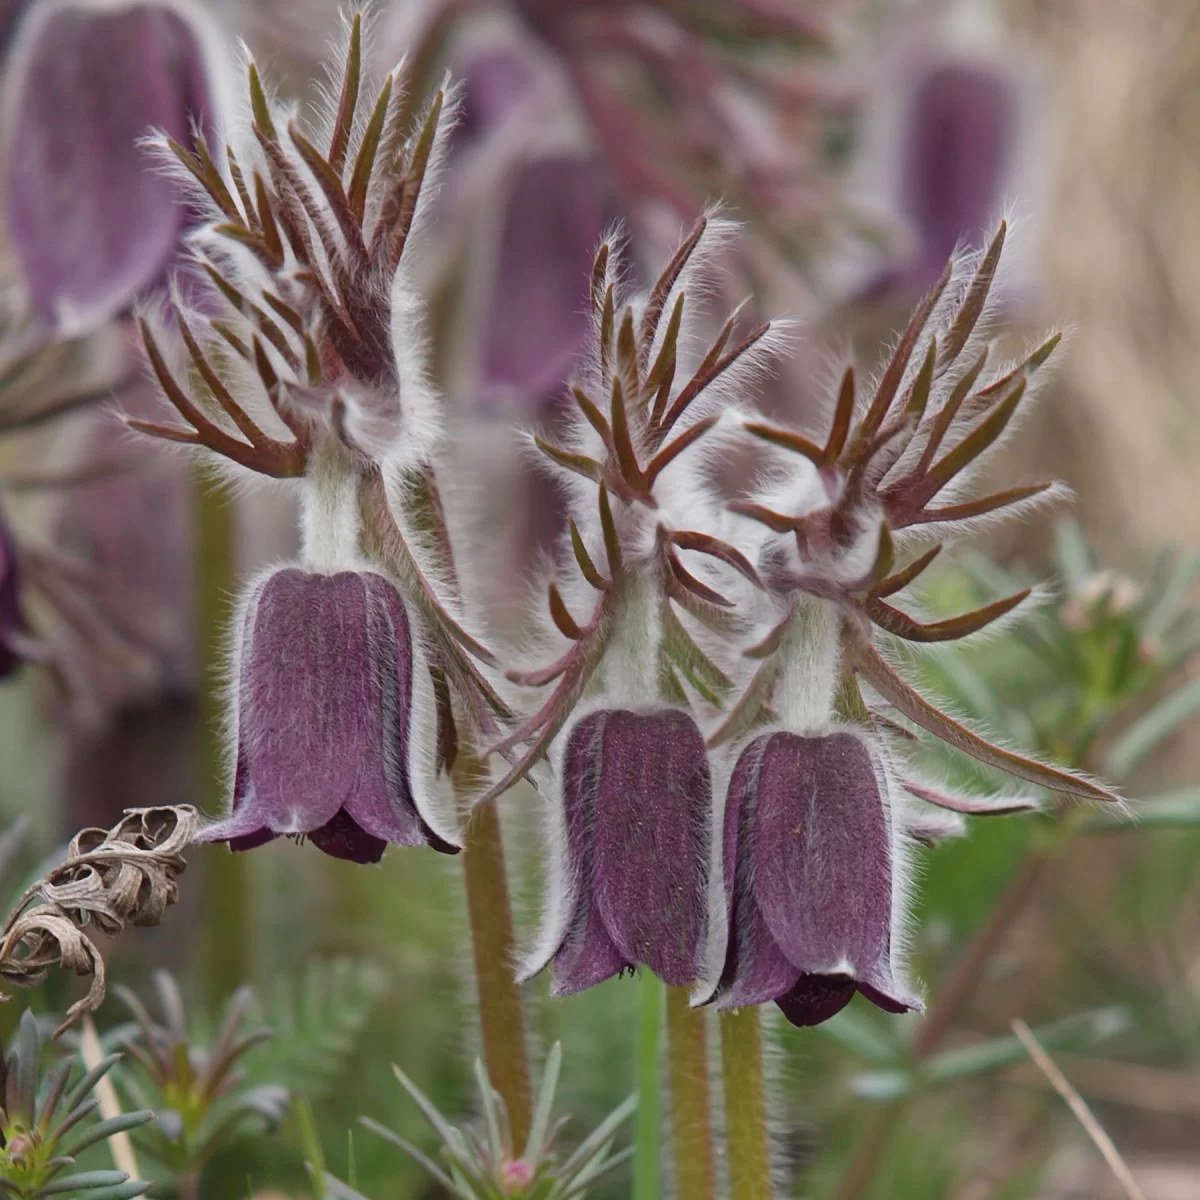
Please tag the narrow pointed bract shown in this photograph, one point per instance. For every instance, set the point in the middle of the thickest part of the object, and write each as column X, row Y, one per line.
column 636, row 798
column 809, row 869
column 325, row 719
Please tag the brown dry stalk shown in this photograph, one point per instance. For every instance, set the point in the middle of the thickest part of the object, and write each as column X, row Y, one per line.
column 1079, row 1107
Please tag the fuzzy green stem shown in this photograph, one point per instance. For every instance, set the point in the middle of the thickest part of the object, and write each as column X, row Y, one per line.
column 746, row 1137
column 647, row 1167
column 227, row 883
column 501, row 1012
column 691, row 1103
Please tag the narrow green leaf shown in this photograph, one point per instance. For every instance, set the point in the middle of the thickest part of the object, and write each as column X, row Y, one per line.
column 544, row 1108
column 409, row 1149
column 1145, row 734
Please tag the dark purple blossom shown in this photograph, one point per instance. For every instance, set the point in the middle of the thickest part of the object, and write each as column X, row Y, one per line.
column 637, row 799
column 809, row 873
column 330, row 701
column 10, row 601
column 90, row 217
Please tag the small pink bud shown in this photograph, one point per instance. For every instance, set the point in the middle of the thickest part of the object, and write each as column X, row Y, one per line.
column 19, row 1145
column 515, row 1177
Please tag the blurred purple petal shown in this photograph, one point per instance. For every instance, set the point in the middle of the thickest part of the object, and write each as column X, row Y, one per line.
column 537, row 322
column 10, row 600
column 89, row 215
column 959, row 140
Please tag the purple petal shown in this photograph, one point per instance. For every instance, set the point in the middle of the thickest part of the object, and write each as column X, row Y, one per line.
column 90, row 218
column 756, row 970
column 587, row 955
column 822, row 853
column 384, row 806
column 343, row 837
column 960, row 136
column 653, row 802
column 311, row 714
column 243, row 829
column 537, row 323
column 10, row 600
column 494, row 81
column 816, row 998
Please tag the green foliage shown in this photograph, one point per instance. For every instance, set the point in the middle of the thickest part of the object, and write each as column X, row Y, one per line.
column 45, row 1126
column 486, row 1166
column 317, row 1024
column 200, row 1097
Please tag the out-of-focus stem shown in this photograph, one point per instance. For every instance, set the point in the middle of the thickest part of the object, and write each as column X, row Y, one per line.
column 227, row 903
column 746, row 1135
column 647, row 1164
column 501, row 1012
column 188, row 1187
column 691, row 1101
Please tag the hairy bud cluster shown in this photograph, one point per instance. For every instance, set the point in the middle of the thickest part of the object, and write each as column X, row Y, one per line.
column 723, row 806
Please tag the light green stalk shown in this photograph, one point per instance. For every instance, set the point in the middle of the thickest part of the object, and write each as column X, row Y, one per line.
column 746, row 1135
column 691, row 1098
column 227, row 882
column 647, row 1160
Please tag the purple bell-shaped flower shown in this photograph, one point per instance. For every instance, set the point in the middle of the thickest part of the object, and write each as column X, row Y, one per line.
column 637, row 800
column 335, row 721
column 810, row 874
column 91, row 217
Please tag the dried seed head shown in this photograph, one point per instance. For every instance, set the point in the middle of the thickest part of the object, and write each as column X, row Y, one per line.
column 124, row 876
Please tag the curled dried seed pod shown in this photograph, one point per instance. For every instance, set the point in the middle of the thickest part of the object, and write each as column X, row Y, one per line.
column 127, row 875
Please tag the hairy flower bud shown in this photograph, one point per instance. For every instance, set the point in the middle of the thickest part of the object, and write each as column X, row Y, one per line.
column 809, row 864
column 636, row 796
column 333, row 696
column 90, row 218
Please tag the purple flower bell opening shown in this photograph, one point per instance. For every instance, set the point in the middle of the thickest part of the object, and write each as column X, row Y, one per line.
column 329, row 708
column 10, row 601
column 637, row 798
column 809, row 865
column 91, row 218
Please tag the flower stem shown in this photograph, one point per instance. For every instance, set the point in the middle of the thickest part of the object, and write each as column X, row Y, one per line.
column 501, row 1012
column 227, row 884
column 691, row 1107
column 745, row 1104
column 647, row 1135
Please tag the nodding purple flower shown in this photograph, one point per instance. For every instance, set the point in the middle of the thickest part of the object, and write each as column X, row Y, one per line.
column 91, row 219
column 10, row 601
column 809, row 865
column 557, row 213
column 637, row 799
column 333, row 706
